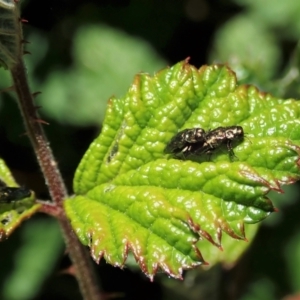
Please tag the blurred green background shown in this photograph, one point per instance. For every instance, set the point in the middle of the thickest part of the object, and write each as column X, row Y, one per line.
column 85, row 51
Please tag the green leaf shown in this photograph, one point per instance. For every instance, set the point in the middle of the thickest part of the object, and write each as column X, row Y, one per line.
column 131, row 196
column 282, row 15
column 36, row 253
column 79, row 95
column 13, row 213
column 255, row 63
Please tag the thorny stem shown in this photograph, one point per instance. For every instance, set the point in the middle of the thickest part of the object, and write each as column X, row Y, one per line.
column 78, row 254
column 12, row 58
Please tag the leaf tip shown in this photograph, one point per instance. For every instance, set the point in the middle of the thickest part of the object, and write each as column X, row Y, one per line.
column 236, row 231
column 253, row 176
column 186, row 61
column 200, row 257
column 203, row 233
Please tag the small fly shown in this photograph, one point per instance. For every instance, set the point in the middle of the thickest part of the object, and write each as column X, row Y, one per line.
column 195, row 141
column 184, row 141
column 11, row 194
column 215, row 138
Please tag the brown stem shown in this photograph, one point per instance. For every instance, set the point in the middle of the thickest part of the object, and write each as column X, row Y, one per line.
column 78, row 254
column 49, row 208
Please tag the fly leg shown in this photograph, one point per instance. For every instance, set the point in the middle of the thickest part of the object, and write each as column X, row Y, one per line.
column 230, row 150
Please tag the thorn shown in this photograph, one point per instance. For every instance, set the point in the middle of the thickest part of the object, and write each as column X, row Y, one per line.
column 116, row 295
column 23, row 20
column 41, row 121
column 276, row 209
column 26, row 52
column 69, row 271
column 8, row 89
column 25, row 42
column 37, row 107
column 35, row 94
column 23, row 134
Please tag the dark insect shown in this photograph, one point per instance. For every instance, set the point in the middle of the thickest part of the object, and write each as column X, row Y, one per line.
column 185, row 140
column 11, row 194
column 194, row 141
column 220, row 136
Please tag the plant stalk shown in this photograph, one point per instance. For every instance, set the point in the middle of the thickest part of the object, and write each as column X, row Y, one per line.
column 78, row 253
